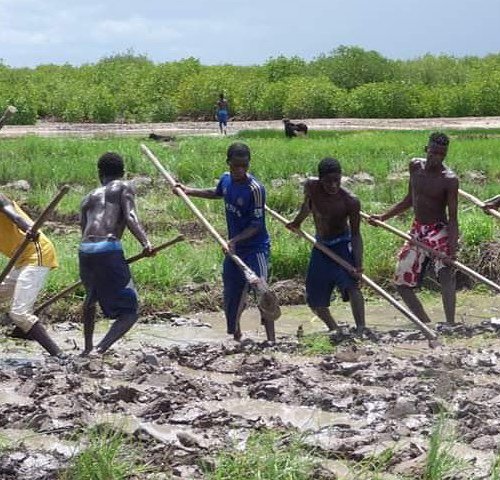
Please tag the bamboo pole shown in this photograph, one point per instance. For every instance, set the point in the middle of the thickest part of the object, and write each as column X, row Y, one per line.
column 459, row 266
column 343, row 263
column 478, row 202
column 129, row 260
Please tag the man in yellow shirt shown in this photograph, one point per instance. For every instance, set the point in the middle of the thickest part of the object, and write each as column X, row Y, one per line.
column 23, row 284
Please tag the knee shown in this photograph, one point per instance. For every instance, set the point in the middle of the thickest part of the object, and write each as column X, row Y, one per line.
column 24, row 321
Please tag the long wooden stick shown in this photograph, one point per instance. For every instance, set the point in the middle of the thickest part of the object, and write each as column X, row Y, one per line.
column 459, row 266
column 250, row 276
column 129, row 260
column 478, row 202
column 34, row 229
column 343, row 263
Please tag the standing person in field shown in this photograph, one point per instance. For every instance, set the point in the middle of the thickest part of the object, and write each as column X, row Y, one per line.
column 222, row 113
column 245, row 199
column 23, row 284
column 433, row 194
column 105, row 213
column 336, row 214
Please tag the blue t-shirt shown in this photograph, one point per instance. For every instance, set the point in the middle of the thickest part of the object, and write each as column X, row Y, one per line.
column 245, row 203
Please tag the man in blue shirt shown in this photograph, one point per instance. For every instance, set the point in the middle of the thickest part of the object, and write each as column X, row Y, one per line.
column 244, row 199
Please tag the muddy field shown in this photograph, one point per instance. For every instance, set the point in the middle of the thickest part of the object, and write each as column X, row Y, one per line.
column 182, row 391
column 50, row 129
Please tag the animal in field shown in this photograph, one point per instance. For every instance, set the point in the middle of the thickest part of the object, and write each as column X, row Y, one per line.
column 161, row 138
column 294, row 129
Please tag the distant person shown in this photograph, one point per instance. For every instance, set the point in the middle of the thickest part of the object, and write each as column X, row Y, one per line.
column 294, row 129
column 23, row 284
column 336, row 214
column 105, row 213
column 245, row 199
column 222, row 113
column 433, row 195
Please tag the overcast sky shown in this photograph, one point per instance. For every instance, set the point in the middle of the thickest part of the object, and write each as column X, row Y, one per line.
column 244, row 32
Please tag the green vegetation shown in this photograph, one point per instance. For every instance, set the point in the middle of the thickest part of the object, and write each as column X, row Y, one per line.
column 317, row 344
column 105, row 455
column 347, row 82
column 268, row 456
column 442, row 463
column 280, row 164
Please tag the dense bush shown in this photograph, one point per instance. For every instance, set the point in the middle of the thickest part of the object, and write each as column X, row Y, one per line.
column 349, row 81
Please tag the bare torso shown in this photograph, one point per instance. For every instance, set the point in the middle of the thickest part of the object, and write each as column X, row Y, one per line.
column 102, row 211
column 331, row 212
column 430, row 191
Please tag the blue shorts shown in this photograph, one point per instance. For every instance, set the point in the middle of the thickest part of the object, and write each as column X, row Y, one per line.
column 324, row 274
column 222, row 116
column 106, row 277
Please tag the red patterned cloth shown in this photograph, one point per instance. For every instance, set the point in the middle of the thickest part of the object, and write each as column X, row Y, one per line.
column 411, row 259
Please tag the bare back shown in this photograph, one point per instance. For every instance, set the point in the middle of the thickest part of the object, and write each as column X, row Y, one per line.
column 108, row 210
column 431, row 191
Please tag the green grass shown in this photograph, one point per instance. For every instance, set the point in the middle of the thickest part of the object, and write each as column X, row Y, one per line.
column 317, row 344
column 279, row 163
column 267, row 456
column 106, row 455
column 442, row 463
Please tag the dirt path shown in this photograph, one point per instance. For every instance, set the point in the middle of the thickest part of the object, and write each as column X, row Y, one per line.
column 54, row 129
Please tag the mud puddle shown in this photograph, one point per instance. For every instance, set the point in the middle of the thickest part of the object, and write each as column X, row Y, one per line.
column 184, row 392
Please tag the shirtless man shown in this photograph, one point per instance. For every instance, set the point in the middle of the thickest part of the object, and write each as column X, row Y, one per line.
column 23, row 284
column 222, row 113
column 105, row 213
column 433, row 194
column 336, row 218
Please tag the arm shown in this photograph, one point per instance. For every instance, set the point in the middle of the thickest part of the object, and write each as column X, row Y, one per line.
column 357, row 240
column 452, row 204
column 7, row 207
column 131, row 218
column 305, row 210
column 494, row 203
column 208, row 193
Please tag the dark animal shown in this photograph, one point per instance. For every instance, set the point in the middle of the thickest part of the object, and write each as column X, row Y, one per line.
column 161, row 138
column 294, row 129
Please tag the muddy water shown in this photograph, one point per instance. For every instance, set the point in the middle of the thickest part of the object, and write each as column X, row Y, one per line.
column 186, row 392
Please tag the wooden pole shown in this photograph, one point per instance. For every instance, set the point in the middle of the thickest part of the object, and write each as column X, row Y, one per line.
column 478, row 202
column 129, row 260
column 459, row 266
column 343, row 263
column 34, row 228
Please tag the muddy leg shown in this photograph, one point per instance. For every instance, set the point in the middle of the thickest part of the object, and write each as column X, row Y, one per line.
column 89, row 309
column 358, row 309
column 324, row 314
column 413, row 303
column 119, row 328
column 39, row 334
column 447, row 279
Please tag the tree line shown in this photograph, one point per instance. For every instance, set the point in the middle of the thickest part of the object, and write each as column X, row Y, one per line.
column 347, row 82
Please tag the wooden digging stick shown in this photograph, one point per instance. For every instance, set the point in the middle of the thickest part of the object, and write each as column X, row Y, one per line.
column 34, row 229
column 264, row 293
column 479, row 203
column 459, row 266
column 129, row 260
column 351, row 270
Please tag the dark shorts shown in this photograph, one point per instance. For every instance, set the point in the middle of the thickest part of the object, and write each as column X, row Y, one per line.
column 107, row 279
column 324, row 274
column 222, row 116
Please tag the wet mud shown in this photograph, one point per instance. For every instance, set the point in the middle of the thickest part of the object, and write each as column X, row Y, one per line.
column 183, row 392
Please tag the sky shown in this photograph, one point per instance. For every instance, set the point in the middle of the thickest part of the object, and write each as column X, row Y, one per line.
column 34, row 32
